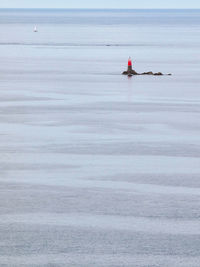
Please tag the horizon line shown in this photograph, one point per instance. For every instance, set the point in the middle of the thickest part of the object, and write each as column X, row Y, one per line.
column 98, row 8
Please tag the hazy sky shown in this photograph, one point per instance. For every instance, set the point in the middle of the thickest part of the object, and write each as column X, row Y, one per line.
column 100, row 3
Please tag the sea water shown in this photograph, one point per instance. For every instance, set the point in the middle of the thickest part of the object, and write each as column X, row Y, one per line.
column 98, row 169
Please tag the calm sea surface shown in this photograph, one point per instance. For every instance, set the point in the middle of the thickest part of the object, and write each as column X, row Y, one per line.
column 97, row 169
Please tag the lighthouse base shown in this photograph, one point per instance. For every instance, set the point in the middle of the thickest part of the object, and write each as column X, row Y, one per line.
column 130, row 72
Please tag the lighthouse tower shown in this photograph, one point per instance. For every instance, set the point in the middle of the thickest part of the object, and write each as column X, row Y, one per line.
column 130, row 71
column 130, row 65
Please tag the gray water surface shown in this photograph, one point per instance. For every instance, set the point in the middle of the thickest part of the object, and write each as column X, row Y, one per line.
column 97, row 169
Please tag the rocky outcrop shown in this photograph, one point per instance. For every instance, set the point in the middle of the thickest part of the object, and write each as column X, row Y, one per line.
column 130, row 72
column 133, row 72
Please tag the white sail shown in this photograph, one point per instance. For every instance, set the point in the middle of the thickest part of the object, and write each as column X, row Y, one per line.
column 35, row 29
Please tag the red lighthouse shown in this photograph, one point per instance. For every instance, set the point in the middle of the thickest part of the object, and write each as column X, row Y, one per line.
column 129, row 64
column 130, row 67
column 130, row 70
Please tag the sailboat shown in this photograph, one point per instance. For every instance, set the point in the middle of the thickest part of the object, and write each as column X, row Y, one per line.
column 35, row 29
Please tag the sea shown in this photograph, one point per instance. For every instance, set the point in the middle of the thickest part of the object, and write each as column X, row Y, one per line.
column 97, row 168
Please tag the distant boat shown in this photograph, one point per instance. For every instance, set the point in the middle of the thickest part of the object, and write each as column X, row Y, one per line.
column 35, row 29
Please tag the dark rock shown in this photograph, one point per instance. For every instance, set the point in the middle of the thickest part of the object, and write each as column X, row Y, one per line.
column 125, row 73
column 131, row 72
column 147, row 73
column 158, row 74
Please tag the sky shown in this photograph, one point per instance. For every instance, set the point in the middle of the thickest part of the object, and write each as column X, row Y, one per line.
column 99, row 4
